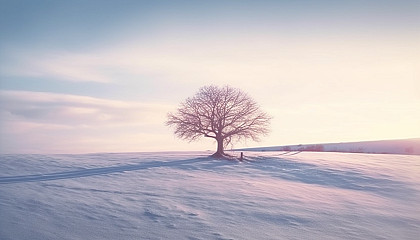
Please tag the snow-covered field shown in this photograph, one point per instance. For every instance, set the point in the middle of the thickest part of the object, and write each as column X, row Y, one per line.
column 186, row 195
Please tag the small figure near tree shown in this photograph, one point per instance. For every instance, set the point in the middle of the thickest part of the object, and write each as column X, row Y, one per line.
column 224, row 113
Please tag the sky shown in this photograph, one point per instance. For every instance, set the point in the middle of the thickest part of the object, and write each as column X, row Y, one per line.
column 101, row 76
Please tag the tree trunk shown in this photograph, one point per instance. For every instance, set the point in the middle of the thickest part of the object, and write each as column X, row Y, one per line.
column 220, row 151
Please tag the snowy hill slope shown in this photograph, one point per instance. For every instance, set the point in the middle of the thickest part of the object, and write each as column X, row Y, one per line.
column 187, row 195
column 403, row 146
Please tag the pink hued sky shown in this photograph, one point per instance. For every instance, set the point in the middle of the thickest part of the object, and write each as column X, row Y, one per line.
column 77, row 78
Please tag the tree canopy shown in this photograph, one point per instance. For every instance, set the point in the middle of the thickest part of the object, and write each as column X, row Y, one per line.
column 226, row 114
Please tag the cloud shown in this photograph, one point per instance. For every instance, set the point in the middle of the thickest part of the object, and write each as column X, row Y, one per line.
column 73, row 110
column 56, row 65
column 40, row 122
column 240, row 59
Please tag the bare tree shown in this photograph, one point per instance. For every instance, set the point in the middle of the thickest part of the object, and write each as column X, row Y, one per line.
column 224, row 113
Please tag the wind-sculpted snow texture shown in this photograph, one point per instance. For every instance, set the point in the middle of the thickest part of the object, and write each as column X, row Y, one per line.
column 187, row 195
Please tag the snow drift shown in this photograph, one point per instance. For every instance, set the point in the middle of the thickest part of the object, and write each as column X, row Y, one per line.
column 403, row 146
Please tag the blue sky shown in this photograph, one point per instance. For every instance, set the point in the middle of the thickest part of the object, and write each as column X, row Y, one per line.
column 89, row 76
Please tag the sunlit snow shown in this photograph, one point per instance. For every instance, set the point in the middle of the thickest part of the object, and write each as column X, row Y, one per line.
column 187, row 195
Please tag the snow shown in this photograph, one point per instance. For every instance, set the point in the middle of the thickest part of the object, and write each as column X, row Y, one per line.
column 401, row 146
column 187, row 195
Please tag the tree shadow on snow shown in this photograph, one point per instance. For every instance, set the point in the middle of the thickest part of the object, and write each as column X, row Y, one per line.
column 87, row 172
